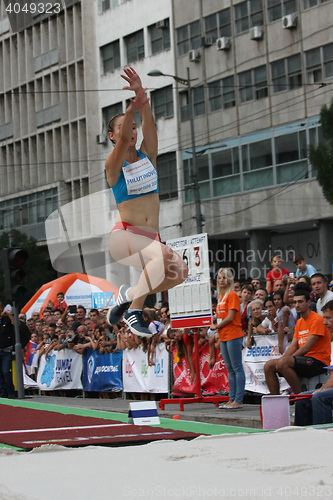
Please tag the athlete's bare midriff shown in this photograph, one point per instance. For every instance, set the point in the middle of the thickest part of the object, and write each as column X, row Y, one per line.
column 141, row 212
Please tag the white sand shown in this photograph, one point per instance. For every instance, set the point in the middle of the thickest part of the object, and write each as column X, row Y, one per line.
column 284, row 464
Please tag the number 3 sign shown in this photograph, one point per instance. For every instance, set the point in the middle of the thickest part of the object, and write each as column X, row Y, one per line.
column 190, row 302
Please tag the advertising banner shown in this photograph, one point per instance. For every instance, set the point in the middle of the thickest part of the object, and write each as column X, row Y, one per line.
column 102, row 372
column 254, row 359
column 212, row 380
column 138, row 376
column 60, row 370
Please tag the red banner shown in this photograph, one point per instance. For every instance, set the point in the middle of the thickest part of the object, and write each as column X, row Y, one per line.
column 210, row 379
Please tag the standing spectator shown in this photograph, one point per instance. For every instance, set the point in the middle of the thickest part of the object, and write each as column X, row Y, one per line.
column 319, row 286
column 7, row 342
column 256, row 283
column 261, row 293
column 245, row 299
column 238, row 288
column 80, row 314
column 231, row 336
column 31, row 324
column 303, row 269
column 276, row 273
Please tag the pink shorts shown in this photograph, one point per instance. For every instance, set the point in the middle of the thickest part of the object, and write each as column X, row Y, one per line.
column 133, row 229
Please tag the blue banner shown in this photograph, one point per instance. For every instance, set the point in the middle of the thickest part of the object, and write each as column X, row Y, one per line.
column 102, row 372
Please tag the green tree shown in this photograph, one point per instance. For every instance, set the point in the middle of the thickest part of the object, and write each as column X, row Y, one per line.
column 321, row 156
column 38, row 269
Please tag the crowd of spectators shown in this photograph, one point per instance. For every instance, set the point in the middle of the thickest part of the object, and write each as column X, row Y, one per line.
column 266, row 308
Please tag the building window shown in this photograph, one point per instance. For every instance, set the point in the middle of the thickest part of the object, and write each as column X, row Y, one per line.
column 260, row 82
column 307, row 4
column 328, row 60
column 135, row 47
column 245, row 86
column 218, row 25
column 319, row 63
column 224, row 22
column 278, row 8
column 256, row 13
column 287, row 73
column 211, row 26
column 159, row 38
column 162, row 102
column 188, row 38
column 28, row 210
column 198, row 101
column 253, row 84
column 215, row 95
column 110, row 111
column 110, row 56
column 202, row 164
column 225, row 172
column 241, row 17
column 198, row 96
column 221, row 94
column 167, row 176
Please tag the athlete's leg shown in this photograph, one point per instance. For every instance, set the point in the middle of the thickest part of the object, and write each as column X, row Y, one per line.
column 161, row 267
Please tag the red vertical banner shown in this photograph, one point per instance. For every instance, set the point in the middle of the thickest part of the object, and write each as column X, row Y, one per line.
column 213, row 380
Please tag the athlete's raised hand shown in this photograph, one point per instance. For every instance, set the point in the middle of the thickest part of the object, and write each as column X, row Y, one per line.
column 133, row 79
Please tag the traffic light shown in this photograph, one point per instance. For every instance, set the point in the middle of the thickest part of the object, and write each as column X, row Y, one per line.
column 12, row 262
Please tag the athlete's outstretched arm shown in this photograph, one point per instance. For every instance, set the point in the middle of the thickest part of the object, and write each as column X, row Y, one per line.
column 149, row 145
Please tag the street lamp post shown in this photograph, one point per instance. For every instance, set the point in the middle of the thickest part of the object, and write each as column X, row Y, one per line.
column 195, row 173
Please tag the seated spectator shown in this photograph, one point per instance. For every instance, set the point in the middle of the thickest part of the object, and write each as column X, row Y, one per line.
column 276, row 273
column 308, row 353
column 285, row 319
column 270, row 324
column 257, row 316
column 303, row 269
column 318, row 409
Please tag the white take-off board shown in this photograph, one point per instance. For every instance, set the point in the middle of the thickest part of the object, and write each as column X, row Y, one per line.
column 190, row 302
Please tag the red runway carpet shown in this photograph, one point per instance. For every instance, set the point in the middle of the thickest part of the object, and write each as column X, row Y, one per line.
column 27, row 428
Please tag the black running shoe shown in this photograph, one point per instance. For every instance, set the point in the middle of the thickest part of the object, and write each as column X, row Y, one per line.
column 134, row 320
column 116, row 312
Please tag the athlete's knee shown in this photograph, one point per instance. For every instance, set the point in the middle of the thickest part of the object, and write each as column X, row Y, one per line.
column 175, row 268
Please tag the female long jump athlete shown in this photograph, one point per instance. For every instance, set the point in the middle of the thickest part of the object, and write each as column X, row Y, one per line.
column 134, row 240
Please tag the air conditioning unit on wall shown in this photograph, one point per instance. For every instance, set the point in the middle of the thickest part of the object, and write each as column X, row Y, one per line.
column 207, row 41
column 289, row 21
column 223, row 43
column 162, row 24
column 194, row 55
column 256, row 33
column 101, row 139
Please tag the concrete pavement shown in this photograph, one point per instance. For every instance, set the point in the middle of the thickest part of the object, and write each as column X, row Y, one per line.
column 248, row 416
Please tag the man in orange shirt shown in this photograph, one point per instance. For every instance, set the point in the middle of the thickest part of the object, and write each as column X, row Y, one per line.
column 309, row 351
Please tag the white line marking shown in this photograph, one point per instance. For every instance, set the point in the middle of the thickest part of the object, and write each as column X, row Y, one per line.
column 52, row 429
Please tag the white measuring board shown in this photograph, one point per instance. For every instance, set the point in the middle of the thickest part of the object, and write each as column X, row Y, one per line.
column 190, row 302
